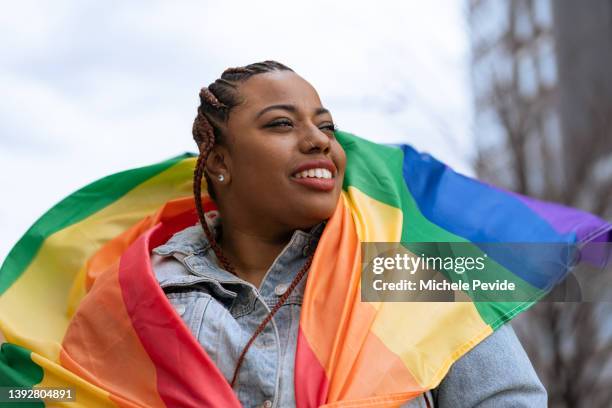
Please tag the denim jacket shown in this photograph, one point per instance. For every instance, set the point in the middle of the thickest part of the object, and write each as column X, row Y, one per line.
column 223, row 311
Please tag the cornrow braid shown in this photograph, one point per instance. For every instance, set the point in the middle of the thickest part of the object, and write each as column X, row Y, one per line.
column 237, row 70
column 216, row 102
column 197, row 186
column 211, row 99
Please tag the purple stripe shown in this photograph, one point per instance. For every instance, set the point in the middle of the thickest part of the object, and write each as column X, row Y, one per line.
column 588, row 228
column 565, row 219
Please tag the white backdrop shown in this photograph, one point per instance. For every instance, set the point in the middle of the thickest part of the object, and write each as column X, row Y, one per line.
column 90, row 88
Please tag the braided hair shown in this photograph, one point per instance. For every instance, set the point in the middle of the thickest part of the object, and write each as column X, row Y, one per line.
column 216, row 102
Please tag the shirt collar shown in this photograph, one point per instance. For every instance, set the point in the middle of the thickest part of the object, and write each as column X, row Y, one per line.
column 193, row 241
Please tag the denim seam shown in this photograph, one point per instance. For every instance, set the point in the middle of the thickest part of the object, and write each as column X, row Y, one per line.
column 298, row 235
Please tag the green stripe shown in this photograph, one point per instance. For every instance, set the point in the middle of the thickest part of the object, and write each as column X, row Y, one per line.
column 73, row 209
column 18, row 370
column 376, row 170
column 365, row 164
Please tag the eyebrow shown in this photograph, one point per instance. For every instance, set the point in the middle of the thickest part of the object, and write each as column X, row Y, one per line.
column 289, row 108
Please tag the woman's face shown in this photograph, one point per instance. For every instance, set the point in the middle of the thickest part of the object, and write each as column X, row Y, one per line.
column 284, row 165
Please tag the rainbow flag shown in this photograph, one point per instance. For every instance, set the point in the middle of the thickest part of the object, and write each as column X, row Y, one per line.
column 81, row 308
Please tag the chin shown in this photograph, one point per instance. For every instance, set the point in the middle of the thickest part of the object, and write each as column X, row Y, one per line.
column 315, row 212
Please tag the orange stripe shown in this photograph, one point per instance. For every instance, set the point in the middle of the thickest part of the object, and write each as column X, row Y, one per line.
column 376, row 370
column 100, row 343
column 112, row 250
column 337, row 337
column 101, row 346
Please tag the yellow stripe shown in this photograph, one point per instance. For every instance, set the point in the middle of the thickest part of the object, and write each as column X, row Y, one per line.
column 49, row 282
column 374, row 221
column 86, row 394
column 427, row 336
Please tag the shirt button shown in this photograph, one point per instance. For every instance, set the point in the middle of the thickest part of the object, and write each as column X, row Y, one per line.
column 267, row 404
column 280, row 290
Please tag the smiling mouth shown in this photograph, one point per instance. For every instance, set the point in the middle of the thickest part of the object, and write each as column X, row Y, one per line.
column 317, row 173
column 318, row 179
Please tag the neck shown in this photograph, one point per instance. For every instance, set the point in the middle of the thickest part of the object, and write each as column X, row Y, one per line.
column 251, row 253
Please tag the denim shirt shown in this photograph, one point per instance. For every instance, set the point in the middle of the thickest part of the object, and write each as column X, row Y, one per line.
column 223, row 311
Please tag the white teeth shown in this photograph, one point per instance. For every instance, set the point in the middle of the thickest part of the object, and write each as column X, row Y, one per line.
column 315, row 173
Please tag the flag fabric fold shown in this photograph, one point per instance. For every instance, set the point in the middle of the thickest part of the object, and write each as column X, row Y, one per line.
column 80, row 306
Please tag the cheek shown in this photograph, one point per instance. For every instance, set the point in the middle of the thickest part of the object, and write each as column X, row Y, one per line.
column 340, row 157
column 343, row 158
column 265, row 162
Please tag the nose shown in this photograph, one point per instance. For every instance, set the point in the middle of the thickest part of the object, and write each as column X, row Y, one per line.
column 315, row 141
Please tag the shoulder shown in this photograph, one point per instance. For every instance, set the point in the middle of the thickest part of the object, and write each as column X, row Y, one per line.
column 168, row 261
column 187, row 241
column 496, row 372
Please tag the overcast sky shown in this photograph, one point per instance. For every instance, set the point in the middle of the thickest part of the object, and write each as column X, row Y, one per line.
column 90, row 88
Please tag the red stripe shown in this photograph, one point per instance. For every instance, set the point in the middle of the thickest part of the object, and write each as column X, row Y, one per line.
column 186, row 376
column 311, row 384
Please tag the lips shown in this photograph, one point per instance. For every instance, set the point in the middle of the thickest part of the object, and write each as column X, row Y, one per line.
column 316, row 174
column 316, row 164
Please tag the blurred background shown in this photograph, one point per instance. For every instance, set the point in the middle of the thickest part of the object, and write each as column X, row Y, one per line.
column 92, row 88
column 514, row 92
column 542, row 126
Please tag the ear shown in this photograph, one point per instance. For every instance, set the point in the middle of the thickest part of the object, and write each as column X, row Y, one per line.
column 219, row 163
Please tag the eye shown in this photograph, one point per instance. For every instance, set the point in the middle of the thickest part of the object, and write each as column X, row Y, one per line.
column 330, row 127
column 280, row 123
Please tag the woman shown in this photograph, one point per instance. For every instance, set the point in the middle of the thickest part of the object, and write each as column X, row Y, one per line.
column 263, row 128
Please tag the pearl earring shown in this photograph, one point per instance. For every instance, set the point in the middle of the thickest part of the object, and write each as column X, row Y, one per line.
column 221, row 177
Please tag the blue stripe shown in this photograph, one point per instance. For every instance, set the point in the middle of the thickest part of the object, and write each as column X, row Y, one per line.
column 483, row 214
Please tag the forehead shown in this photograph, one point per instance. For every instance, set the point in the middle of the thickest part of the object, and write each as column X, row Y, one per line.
column 279, row 87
